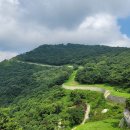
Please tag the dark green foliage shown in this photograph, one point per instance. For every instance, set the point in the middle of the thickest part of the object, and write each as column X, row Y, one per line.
column 76, row 115
column 67, row 54
column 31, row 96
column 112, row 70
column 22, row 79
column 89, row 75
column 78, row 98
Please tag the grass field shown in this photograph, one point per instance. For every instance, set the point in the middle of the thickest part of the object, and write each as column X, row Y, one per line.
column 71, row 81
column 109, row 124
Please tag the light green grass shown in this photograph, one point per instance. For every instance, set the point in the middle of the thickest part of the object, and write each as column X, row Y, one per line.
column 109, row 124
column 116, row 92
column 71, row 81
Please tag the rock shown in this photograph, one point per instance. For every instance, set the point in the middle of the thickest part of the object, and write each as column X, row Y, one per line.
column 122, row 122
column 107, row 93
column 104, row 111
column 125, row 121
column 127, row 117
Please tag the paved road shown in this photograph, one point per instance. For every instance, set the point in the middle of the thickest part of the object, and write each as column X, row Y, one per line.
column 107, row 93
column 31, row 63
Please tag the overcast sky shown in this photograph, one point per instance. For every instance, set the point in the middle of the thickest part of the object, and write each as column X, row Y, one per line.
column 26, row 24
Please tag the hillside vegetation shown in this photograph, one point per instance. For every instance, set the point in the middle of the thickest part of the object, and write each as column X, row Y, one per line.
column 18, row 79
column 109, row 70
column 101, row 64
column 32, row 97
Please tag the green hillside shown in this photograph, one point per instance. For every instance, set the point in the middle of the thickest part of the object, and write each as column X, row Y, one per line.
column 32, row 96
column 18, row 79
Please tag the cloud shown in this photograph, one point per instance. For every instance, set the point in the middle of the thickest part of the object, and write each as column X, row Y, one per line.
column 6, row 55
column 97, row 29
column 70, row 13
column 25, row 24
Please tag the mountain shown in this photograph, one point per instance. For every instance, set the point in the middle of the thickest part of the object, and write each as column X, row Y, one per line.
column 38, row 88
column 67, row 54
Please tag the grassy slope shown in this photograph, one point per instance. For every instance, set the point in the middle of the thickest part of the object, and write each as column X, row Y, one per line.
column 108, row 124
column 72, row 82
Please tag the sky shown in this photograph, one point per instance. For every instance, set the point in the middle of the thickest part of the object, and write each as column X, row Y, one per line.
column 125, row 25
column 26, row 24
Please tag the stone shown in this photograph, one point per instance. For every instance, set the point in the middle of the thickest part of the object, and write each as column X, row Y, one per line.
column 104, row 111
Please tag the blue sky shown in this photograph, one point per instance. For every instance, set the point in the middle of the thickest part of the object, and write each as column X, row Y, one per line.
column 26, row 24
column 125, row 25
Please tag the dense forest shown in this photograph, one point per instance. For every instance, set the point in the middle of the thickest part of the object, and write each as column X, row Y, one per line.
column 32, row 97
column 106, row 69
column 22, row 79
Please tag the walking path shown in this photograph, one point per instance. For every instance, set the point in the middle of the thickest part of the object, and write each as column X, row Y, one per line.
column 86, row 116
column 107, row 93
column 38, row 64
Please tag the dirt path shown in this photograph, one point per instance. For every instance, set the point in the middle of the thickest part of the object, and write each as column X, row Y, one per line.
column 38, row 64
column 86, row 116
column 107, row 95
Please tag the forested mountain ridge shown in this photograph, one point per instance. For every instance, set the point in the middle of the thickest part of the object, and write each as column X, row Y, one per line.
column 107, row 69
column 68, row 54
column 102, row 64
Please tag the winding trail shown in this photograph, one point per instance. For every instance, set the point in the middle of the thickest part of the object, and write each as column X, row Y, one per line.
column 38, row 64
column 107, row 96
column 86, row 116
column 107, row 93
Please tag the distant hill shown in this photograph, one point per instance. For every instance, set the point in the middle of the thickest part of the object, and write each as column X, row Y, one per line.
column 68, row 54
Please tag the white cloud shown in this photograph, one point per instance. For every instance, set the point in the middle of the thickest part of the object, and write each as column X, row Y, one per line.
column 97, row 29
column 25, row 24
column 98, row 21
